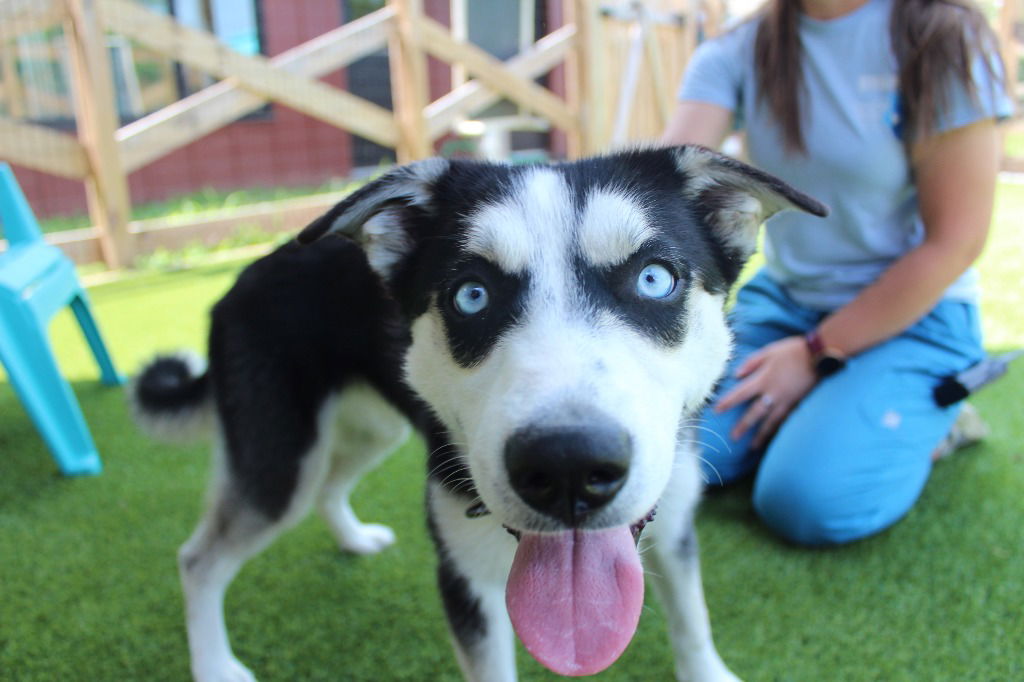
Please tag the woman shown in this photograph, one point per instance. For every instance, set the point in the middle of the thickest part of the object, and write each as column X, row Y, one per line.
column 885, row 110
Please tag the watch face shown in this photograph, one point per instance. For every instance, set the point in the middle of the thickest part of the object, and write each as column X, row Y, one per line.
column 829, row 365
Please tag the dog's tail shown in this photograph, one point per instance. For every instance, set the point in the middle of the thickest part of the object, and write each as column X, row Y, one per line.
column 171, row 397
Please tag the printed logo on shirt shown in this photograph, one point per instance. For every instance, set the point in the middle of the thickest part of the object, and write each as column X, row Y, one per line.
column 880, row 103
column 880, row 82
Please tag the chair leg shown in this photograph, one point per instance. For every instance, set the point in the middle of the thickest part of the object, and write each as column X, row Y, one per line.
column 49, row 400
column 83, row 313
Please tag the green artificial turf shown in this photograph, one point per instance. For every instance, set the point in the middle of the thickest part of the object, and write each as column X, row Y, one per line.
column 89, row 591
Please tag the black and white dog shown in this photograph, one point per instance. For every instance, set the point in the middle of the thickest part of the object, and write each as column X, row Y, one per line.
column 550, row 330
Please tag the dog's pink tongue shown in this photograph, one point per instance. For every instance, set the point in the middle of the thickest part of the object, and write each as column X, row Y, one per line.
column 575, row 597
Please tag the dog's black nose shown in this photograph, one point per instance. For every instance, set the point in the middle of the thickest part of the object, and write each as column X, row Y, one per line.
column 568, row 473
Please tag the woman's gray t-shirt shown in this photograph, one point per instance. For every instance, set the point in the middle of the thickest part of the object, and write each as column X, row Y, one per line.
column 856, row 162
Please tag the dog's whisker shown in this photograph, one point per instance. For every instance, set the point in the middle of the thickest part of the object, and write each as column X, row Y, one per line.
column 678, row 466
column 444, row 465
column 700, row 427
column 462, row 484
column 721, row 481
column 458, row 464
column 701, row 444
column 725, row 443
column 447, row 447
column 454, row 480
column 457, row 482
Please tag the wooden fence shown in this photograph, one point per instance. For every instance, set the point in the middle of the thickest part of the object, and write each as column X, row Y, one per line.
column 621, row 64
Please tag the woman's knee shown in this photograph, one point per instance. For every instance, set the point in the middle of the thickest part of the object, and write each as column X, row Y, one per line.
column 815, row 511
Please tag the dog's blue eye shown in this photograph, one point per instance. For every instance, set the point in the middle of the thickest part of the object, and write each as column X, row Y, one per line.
column 655, row 281
column 471, row 298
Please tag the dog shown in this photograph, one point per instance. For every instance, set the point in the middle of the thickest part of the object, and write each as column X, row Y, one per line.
column 550, row 330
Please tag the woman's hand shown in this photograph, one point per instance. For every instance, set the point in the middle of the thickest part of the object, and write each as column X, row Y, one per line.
column 774, row 380
column 956, row 175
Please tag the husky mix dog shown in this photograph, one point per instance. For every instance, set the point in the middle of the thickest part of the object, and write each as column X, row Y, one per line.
column 549, row 330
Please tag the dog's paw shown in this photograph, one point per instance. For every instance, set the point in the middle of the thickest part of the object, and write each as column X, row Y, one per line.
column 226, row 671
column 367, row 538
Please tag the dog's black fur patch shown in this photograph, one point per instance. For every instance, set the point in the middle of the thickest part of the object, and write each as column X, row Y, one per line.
column 168, row 384
column 462, row 607
column 472, row 336
column 297, row 325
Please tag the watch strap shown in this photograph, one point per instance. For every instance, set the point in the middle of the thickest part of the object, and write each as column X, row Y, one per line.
column 815, row 344
column 825, row 361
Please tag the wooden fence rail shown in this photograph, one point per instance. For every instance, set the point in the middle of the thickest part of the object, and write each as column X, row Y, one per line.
column 156, row 135
column 659, row 36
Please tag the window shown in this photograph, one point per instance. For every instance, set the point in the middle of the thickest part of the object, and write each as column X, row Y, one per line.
column 35, row 69
column 370, row 79
column 235, row 22
column 503, row 29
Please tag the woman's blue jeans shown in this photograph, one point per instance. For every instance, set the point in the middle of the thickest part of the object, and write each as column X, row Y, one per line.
column 854, row 455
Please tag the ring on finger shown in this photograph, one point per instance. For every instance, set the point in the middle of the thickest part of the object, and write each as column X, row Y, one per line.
column 766, row 401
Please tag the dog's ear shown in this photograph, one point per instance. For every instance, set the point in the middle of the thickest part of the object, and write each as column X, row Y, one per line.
column 733, row 199
column 374, row 214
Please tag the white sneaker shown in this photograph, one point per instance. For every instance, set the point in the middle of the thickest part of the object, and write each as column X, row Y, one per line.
column 968, row 429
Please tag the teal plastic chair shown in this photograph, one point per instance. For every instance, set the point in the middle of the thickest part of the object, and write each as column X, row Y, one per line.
column 36, row 281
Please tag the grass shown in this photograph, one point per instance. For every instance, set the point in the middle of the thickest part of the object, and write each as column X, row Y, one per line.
column 88, row 584
column 1013, row 145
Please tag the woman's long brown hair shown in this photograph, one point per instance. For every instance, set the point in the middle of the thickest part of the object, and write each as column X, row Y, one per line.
column 930, row 38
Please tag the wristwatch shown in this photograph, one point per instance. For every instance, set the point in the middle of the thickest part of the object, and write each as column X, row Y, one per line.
column 826, row 361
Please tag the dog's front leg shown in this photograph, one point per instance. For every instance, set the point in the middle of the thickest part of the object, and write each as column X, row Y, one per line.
column 674, row 569
column 474, row 557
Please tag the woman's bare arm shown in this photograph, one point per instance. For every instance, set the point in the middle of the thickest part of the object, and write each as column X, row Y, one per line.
column 698, row 123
